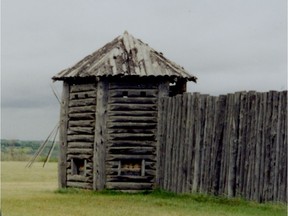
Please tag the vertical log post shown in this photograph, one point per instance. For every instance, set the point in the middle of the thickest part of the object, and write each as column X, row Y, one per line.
column 100, row 136
column 163, row 91
column 63, row 137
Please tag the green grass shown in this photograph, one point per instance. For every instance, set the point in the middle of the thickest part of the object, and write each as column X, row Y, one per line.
column 34, row 191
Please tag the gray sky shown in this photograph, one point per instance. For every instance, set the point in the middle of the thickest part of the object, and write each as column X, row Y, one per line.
column 229, row 45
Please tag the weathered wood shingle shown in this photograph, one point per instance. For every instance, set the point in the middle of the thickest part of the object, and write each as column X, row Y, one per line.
column 125, row 55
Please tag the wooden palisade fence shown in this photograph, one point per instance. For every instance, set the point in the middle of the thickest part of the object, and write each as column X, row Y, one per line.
column 233, row 145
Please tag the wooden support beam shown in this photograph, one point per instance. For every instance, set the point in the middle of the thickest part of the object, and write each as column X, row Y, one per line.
column 100, row 136
column 63, row 137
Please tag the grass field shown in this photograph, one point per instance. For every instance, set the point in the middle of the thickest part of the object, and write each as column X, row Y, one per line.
column 33, row 192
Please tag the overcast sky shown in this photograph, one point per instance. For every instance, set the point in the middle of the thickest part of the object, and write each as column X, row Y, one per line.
column 230, row 45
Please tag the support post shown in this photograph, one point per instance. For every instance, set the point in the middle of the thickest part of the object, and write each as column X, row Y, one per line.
column 163, row 91
column 99, row 155
column 62, row 164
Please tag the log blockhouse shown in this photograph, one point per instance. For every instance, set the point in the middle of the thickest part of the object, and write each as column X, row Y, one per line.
column 109, row 116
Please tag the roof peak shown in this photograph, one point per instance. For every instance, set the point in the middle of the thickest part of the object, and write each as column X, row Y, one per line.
column 125, row 56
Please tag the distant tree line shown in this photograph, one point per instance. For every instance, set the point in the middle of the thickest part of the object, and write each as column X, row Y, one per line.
column 20, row 150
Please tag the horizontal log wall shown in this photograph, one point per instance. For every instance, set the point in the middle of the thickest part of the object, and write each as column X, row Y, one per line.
column 234, row 145
column 131, row 132
column 80, row 134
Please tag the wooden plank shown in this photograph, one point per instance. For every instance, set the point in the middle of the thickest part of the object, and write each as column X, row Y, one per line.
column 62, row 178
column 133, row 119
column 113, row 157
column 82, row 87
column 134, row 113
column 132, row 107
column 77, row 138
column 173, row 131
column 82, row 116
column 131, row 150
column 131, row 124
column 100, row 138
column 80, row 144
column 132, row 85
column 79, row 156
column 79, row 178
column 258, row 143
column 83, row 185
column 80, row 130
column 81, row 123
column 195, row 183
column 277, row 149
column 82, row 102
column 116, row 178
column 167, row 144
column 82, row 109
column 83, row 95
column 133, row 100
column 232, row 98
column 133, row 92
column 183, row 147
column 131, row 136
column 132, row 130
column 163, row 89
column 79, row 151
column 116, row 143
column 178, row 159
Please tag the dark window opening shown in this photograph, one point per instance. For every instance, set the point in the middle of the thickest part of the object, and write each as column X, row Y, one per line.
column 125, row 94
column 76, row 96
column 131, row 168
column 86, row 95
column 142, row 94
column 78, row 166
column 177, row 87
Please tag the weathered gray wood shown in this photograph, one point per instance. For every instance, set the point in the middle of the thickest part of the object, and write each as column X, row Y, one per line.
column 133, row 119
column 62, row 178
column 143, row 167
column 132, row 130
column 133, row 92
column 197, row 144
column 82, row 102
column 132, row 136
column 82, row 116
column 131, row 100
column 135, row 85
column 83, row 95
column 100, row 136
column 135, row 179
column 133, row 107
column 77, row 138
column 242, row 152
column 134, row 113
column 131, row 124
column 82, row 87
column 79, row 151
column 80, row 130
column 168, row 145
column 79, row 156
column 119, row 143
column 79, row 178
column 80, row 144
column 114, row 157
column 83, row 185
column 178, row 143
column 81, row 109
column 82, row 123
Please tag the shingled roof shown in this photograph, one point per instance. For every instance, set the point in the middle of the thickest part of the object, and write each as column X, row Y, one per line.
column 125, row 56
